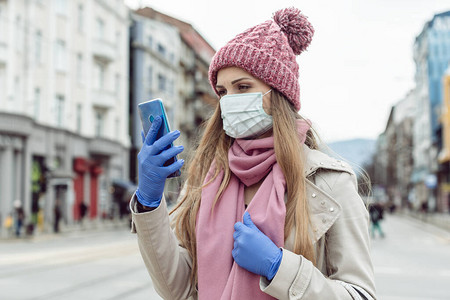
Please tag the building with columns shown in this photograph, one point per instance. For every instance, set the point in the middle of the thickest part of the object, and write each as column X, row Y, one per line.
column 63, row 106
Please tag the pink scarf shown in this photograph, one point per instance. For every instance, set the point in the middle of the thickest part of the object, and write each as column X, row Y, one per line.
column 219, row 277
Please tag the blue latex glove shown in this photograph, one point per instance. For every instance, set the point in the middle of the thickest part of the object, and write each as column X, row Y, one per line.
column 254, row 251
column 152, row 173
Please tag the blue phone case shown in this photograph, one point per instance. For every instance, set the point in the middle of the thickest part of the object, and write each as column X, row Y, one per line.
column 148, row 111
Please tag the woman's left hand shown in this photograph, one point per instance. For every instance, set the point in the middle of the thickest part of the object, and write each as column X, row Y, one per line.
column 254, row 251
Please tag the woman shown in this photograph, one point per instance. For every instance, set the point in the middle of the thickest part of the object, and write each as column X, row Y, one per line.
column 263, row 214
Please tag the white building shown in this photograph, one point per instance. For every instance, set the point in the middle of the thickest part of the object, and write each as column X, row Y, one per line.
column 63, row 104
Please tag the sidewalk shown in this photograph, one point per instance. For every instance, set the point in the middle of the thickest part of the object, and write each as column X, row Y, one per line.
column 441, row 220
column 67, row 229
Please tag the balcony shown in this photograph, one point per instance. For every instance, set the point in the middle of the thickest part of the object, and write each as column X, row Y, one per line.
column 103, row 50
column 104, row 147
column 103, row 98
column 203, row 87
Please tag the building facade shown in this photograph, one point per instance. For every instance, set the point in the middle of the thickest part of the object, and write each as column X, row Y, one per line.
column 390, row 157
column 63, row 106
column 411, row 165
column 404, row 124
column 443, row 204
column 431, row 56
column 436, row 37
column 393, row 162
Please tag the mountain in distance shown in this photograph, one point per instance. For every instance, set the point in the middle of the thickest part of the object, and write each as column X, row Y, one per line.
column 357, row 152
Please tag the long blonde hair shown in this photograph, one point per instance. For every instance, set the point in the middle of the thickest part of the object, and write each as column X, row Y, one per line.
column 214, row 145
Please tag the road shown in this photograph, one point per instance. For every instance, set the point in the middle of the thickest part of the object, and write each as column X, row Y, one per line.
column 79, row 265
column 411, row 263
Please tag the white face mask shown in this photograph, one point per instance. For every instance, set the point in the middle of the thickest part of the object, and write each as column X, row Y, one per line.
column 243, row 115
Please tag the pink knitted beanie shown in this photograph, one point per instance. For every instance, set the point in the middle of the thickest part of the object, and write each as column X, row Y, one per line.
column 267, row 51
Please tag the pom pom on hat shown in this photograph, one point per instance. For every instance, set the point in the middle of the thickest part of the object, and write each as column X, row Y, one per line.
column 296, row 26
column 268, row 51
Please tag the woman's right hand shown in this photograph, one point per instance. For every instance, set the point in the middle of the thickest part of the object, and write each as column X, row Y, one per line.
column 151, row 158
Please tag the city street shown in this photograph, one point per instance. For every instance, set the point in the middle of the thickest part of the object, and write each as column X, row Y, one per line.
column 102, row 264
column 411, row 263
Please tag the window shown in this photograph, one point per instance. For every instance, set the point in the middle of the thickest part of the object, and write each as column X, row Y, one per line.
column 99, row 123
column 162, row 50
column 118, row 41
column 117, row 126
column 99, row 76
column 19, row 36
column 16, row 161
column 80, row 67
column 150, row 76
column 100, row 28
column 2, row 83
column 170, row 87
column 37, row 103
column 150, row 42
column 198, row 75
column 161, row 82
column 59, row 110
column 38, row 47
column 117, row 86
column 60, row 59
column 79, row 117
column 17, row 88
column 80, row 18
column 58, row 162
column 61, row 7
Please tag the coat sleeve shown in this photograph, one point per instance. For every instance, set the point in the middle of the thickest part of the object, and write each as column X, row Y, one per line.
column 168, row 264
column 350, row 270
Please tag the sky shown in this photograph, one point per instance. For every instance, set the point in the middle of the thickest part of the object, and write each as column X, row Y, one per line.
column 358, row 65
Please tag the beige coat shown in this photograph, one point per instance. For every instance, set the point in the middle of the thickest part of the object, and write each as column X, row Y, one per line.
column 341, row 240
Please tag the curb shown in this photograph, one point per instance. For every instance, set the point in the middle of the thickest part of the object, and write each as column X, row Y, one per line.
column 437, row 222
column 65, row 230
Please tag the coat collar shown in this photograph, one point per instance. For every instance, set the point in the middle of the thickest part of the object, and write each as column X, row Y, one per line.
column 324, row 209
column 316, row 159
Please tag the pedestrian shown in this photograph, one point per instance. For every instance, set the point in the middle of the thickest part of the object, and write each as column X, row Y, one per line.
column 264, row 214
column 83, row 211
column 376, row 211
column 56, row 216
column 20, row 217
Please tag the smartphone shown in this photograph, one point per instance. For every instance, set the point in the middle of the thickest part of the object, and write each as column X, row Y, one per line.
column 148, row 111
